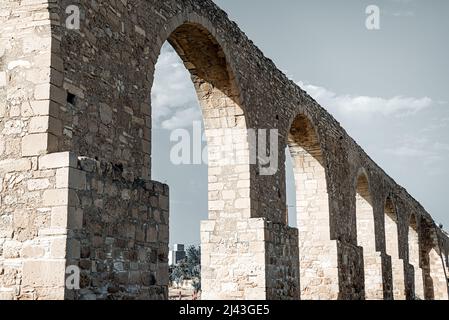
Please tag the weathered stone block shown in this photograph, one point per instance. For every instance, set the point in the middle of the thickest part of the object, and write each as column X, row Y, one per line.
column 33, row 252
column 11, row 165
column 38, row 184
column 44, row 273
column 58, row 160
column 34, row 144
column 70, row 178
column 56, row 197
column 2, row 79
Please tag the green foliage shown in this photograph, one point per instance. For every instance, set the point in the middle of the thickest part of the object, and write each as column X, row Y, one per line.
column 176, row 274
column 188, row 269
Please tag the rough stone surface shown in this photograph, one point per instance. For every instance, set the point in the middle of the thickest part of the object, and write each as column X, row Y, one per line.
column 75, row 163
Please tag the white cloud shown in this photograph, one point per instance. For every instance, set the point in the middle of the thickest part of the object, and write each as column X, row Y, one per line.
column 432, row 154
column 182, row 118
column 403, row 14
column 405, row 151
column 174, row 101
column 435, row 125
column 353, row 105
column 175, row 104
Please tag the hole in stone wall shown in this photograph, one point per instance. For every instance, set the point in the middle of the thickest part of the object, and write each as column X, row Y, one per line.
column 71, row 98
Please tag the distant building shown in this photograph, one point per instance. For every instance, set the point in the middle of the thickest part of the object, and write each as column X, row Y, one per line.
column 176, row 255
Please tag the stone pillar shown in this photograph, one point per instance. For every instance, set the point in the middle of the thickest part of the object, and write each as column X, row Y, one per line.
column 438, row 275
column 415, row 257
column 233, row 259
column 436, row 283
column 372, row 259
column 32, row 235
column 318, row 254
column 392, row 249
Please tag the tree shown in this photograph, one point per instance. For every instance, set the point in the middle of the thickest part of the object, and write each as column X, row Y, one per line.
column 193, row 262
column 189, row 268
column 176, row 275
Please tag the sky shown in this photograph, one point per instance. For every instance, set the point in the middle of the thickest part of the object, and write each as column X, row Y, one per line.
column 389, row 88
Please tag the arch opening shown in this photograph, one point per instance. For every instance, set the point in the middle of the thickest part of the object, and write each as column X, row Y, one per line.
column 438, row 275
column 392, row 249
column 211, row 143
column 372, row 260
column 414, row 257
column 434, row 264
column 318, row 253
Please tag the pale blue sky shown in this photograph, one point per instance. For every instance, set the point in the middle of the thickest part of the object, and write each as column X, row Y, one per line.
column 389, row 89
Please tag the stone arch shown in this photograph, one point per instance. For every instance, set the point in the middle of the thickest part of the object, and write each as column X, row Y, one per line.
column 228, row 166
column 372, row 260
column 392, row 249
column 414, row 256
column 180, row 24
column 318, row 253
column 224, row 117
column 434, row 265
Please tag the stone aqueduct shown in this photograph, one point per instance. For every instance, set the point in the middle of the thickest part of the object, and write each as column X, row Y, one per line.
column 75, row 159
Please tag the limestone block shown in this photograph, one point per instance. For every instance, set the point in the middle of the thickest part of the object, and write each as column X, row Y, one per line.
column 38, row 184
column 43, row 273
column 216, row 205
column 42, row 91
column 13, row 127
column 11, row 249
column 7, row 295
column 39, row 124
column 38, row 75
column 56, row 197
column 18, row 64
column 34, row 144
column 243, row 203
column 70, row 178
column 59, row 217
column 40, row 108
column 2, row 109
column 58, row 160
column 228, row 194
column 58, row 247
column 208, row 226
column 17, row 165
column 30, row 251
column 2, row 79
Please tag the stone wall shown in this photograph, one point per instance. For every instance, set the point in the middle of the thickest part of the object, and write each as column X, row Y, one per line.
column 233, row 257
column 70, row 96
column 122, row 245
column 32, row 234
